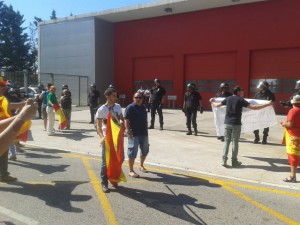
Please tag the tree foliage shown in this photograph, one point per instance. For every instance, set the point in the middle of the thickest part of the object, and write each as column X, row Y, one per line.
column 53, row 15
column 15, row 54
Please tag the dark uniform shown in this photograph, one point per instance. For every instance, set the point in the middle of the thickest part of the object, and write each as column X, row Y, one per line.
column 223, row 93
column 263, row 94
column 157, row 94
column 191, row 106
column 93, row 97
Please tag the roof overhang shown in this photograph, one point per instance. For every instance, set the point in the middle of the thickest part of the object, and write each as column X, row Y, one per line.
column 156, row 9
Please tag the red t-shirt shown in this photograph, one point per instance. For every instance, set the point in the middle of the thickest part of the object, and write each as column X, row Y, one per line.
column 294, row 116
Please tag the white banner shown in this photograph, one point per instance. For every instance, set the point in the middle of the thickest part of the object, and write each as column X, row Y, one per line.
column 251, row 119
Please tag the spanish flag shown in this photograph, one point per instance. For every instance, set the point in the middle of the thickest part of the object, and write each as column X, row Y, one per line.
column 292, row 144
column 61, row 117
column 114, row 149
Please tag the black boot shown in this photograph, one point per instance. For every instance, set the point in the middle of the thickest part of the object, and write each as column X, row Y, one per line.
column 256, row 139
column 264, row 141
column 189, row 132
column 195, row 132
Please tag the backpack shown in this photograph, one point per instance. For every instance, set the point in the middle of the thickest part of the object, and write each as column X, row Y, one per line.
column 66, row 102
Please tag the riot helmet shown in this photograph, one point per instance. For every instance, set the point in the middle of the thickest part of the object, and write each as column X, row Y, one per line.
column 191, row 86
column 263, row 85
column 297, row 84
column 224, row 86
column 65, row 86
column 41, row 87
column 112, row 86
column 157, row 81
column 93, row 85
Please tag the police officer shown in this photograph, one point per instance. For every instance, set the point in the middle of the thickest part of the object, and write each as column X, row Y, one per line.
column 288, row 103
column 264, row 93
column 157, row 98
column 192, row 103
column 223, row 93
column 94, row 100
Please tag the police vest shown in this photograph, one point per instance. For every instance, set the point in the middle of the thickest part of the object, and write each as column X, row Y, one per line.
column 191, row 100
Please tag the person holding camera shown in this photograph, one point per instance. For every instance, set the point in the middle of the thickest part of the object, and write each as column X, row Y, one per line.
column 264, row 93
column 288, row 103
column 157, row 98
column 191, row 104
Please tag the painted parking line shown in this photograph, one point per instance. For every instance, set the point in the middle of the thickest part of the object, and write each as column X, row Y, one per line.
column 17, row 216
column 107, row 210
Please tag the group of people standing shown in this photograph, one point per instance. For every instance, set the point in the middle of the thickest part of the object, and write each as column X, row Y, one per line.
column 234, row 105
column 50, row 104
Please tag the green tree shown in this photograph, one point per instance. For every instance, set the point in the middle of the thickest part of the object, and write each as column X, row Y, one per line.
column 53, row 15
column 33, row 41
column 14, row 47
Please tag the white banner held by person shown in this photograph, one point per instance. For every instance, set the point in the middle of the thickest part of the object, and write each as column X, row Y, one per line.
column 251, row 119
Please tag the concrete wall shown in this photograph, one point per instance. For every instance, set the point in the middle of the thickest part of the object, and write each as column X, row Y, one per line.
column 81, row 47
column 68, row 48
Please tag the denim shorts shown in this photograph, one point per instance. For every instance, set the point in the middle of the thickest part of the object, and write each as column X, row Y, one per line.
column 139, row 141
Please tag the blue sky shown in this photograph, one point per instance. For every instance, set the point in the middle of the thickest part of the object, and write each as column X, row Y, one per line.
column 43, row 8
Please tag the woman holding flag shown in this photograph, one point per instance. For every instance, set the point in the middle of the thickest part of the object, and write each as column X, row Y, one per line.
column 53, row 106
column 292, row 138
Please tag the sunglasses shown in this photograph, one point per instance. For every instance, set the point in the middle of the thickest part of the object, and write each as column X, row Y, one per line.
column 138, row 97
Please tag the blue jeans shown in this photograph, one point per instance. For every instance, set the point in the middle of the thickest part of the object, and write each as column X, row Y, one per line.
column 103, row 173
column 232, row 132
column 141, row 141
column 12, row 150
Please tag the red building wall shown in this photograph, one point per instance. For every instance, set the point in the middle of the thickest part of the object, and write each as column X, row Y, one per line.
column 239, row 44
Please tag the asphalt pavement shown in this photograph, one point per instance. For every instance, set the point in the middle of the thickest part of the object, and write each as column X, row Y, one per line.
column 172, row 148
column 59, row 183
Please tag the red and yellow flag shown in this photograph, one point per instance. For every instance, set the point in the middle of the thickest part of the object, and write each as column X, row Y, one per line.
column 61, row 116
column 292, row 143
column 114, row 150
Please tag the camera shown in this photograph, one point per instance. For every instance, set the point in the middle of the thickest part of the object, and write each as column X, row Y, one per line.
column 283, row 103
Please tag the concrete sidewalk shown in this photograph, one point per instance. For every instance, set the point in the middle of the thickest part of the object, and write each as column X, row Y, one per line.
column 173, row 148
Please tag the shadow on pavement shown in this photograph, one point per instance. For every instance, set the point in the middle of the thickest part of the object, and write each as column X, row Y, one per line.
column 43, row 168
column 180, row 179
column 74, row 135
column 170, row 204
column 58, row 195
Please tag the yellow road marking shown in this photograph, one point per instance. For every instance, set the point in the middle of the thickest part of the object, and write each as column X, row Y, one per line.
column 107, row 210
column 224, row 184
column 261, row 206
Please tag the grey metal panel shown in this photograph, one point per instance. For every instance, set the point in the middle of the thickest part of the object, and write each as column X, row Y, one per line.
column 104, row 55
column 68, row 48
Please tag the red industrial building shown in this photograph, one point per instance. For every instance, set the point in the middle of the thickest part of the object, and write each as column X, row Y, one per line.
column 241, row 44
column 177, row 41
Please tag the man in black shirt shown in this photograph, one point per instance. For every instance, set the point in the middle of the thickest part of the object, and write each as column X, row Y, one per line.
column 157, row 97
column 94, row 100
column 263, row 94
column 233, row 122
column 137, row 132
